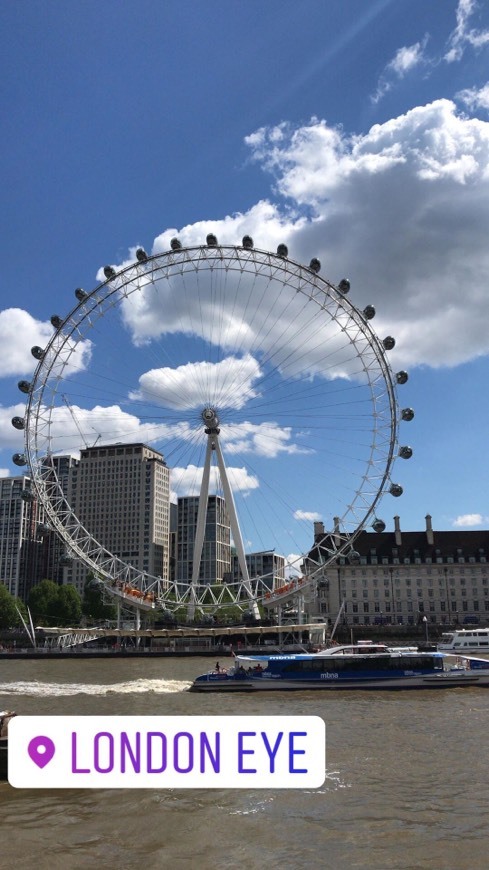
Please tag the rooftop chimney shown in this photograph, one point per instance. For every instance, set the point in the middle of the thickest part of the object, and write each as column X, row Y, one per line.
column 429, row 531
column 318, row 530
column 397, row 531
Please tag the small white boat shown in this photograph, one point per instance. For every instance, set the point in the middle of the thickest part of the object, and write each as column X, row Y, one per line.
column 465, row 640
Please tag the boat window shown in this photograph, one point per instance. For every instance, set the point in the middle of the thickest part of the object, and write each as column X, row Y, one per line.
column 359, row 663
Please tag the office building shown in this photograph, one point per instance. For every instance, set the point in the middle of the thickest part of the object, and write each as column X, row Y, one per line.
column 60, row 468
column 216, row 551
column 20, row 541
column 266, row 564
column 121, row 495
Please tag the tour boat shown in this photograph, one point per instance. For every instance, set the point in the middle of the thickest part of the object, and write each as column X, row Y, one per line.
column 357, row 666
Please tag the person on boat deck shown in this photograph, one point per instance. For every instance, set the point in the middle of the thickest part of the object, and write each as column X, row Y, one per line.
column 218, row 667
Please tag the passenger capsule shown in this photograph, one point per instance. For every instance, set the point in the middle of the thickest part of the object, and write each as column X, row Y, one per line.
column 27, row 495
column 247, row 242
column 396, row 490
column 19, row 459
column 176, row 245
column 369, row 312
column 109, row 272
column 211, row 240
column 80, row 294
column 407, row 414
column 18, row 422
column 141, row 255
column 315, row 265
column 353, row 556
column 389, row 342
column 24, row 386
column 37, row 352
column 282, row 251
column 402, row 377
column 344, row 286
column 405, row 452
column 56, row 321
column 378, row 525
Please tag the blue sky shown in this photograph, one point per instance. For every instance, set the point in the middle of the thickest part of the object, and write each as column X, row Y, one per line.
column 357, row 132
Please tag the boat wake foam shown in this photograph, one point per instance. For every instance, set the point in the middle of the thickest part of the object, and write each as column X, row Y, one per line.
column 131, row 687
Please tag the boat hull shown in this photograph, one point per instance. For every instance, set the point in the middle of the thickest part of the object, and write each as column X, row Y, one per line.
column 446, row 680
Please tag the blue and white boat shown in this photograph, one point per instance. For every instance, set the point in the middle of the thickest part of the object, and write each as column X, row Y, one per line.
column 356, row 666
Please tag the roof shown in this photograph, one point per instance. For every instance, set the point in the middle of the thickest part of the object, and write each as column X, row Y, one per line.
column 401, row 545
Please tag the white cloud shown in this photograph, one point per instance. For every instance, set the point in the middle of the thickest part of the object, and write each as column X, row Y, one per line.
column 407, row 58
column 73, row 428
column 228, row 384
column 475, row 98
column 468, row 520
column 310, row 516
column 246, row 318
column 187, row 481
column 19, row 332
column 4, row 472
column 263, row 439
column 464, row 35
column 404, row 60
column 263, row 221
column 402, row 210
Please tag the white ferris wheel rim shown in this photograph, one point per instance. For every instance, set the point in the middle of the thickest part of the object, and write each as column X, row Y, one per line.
column 322, row 296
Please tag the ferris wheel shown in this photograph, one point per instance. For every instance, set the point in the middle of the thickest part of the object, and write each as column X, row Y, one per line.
column 260, row 383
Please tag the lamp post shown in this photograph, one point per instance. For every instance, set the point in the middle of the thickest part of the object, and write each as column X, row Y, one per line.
column 425, row 620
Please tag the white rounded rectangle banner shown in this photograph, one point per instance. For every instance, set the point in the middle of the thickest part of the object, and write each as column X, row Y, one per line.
column 166, row 752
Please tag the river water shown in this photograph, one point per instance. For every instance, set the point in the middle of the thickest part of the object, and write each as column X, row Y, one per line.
column 407, row 783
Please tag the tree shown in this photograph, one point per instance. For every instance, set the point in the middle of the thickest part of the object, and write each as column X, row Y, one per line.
column 93, row 605
column 51, row 604
column 68, row 606
column 42, row 602
column 9, row 617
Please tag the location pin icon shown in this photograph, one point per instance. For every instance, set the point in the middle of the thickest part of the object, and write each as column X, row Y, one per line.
column 41, row 750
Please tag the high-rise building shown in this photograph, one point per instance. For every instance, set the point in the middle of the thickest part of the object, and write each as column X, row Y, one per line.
column 20, row 543
column 62, row 468
column 216, row 551
column 267, row 564
column 121, row 495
